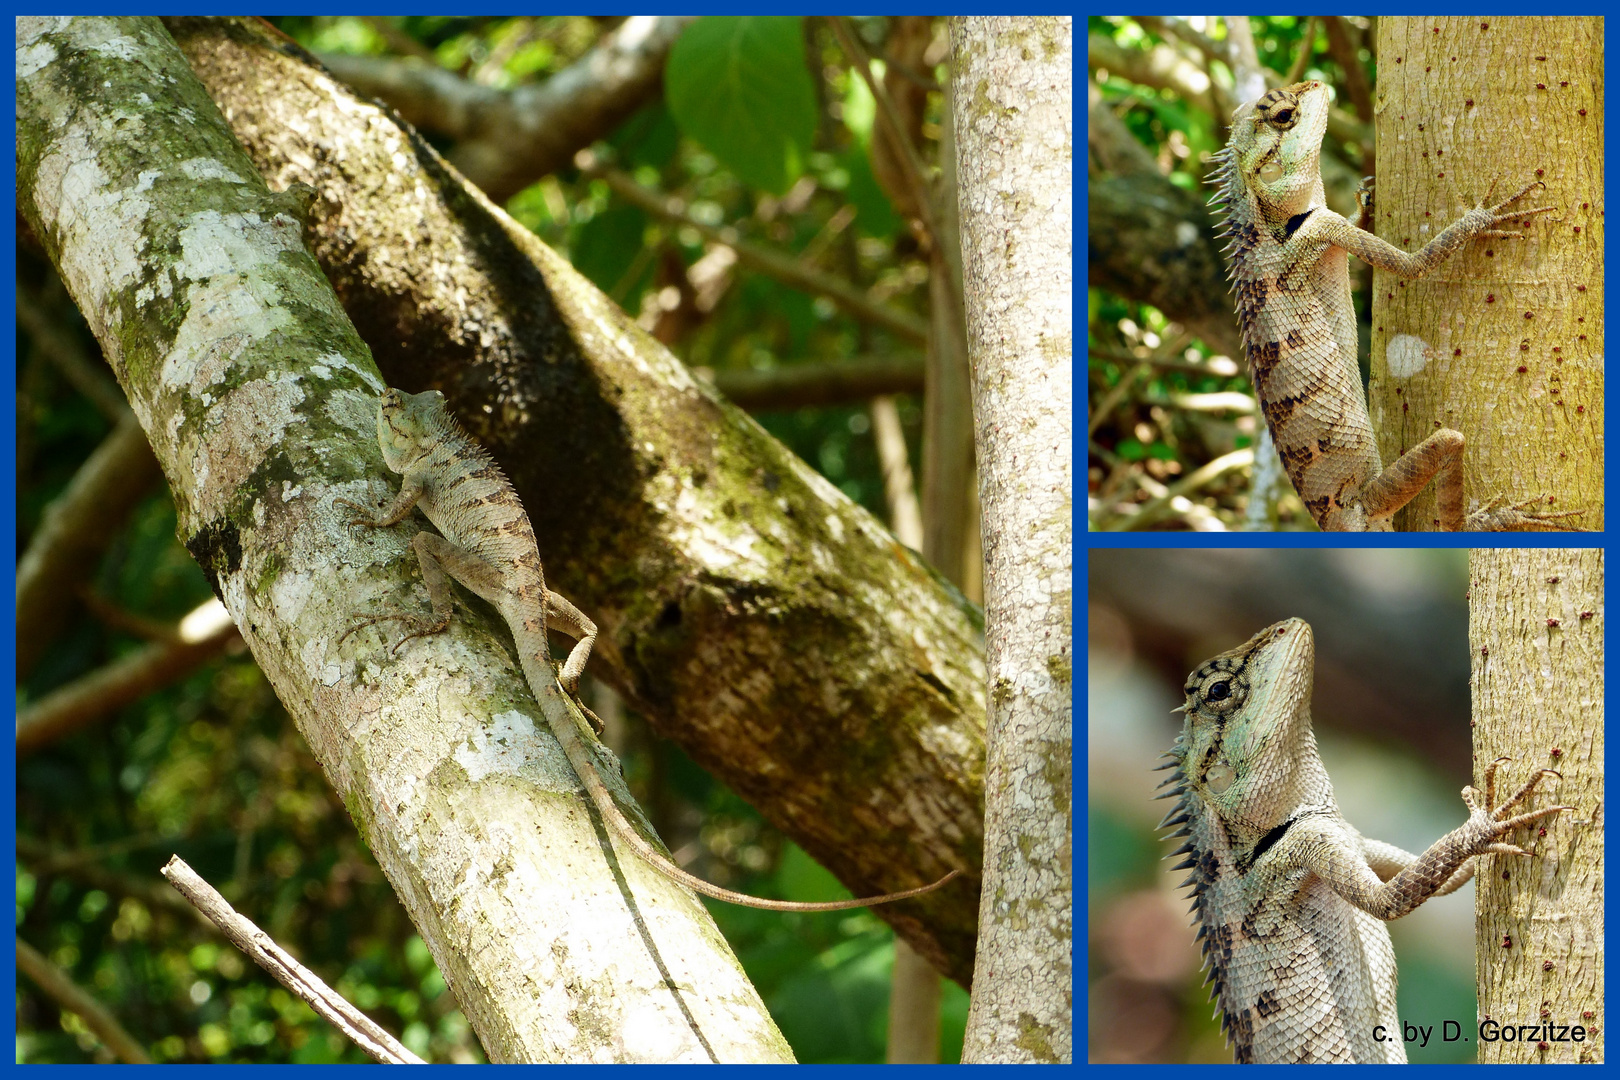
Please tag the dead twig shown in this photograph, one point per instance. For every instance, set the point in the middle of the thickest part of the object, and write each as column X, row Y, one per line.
column 289, row 972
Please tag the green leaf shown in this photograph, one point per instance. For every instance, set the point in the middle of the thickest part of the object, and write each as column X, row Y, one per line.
column 607, row 245
column 740, row 86
column 650, row 137
column 874, row 213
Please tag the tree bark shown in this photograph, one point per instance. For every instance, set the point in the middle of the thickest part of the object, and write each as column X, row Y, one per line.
column 1504, row 341
column 1014, row 129
column 1535, row 631
column 260, row 400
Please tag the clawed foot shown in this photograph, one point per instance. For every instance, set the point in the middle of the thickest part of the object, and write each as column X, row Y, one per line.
column 363, row 515
column 1498, row 515
column 1494, row 813
column 425, row 625
column 1498, row 217
column 596, row 721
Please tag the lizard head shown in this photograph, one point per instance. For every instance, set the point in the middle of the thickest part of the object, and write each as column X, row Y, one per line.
column 1247, row 733
column 409, row 425
column 1276, row 150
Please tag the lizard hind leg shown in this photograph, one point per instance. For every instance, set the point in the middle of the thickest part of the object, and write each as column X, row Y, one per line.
column 1499, row 515
column 561, row 615
column 1438, row 456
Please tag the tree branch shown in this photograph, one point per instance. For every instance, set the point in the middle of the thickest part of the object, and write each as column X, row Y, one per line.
column 69, row 995
column 262, row 950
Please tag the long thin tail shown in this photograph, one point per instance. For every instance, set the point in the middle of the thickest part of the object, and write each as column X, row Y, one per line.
column 565, row 725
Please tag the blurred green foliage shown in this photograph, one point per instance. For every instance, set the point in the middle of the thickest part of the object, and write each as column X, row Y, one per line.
column 211, row 768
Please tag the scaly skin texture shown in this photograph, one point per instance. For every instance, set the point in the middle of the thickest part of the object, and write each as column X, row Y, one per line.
column 488, row 545
column 1290, row 899
column 1286, row 258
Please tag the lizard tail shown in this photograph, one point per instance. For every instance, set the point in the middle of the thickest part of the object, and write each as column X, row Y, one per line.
column 564, row 724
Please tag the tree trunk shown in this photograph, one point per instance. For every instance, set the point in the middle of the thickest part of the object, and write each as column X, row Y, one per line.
column 1503, row 341
column 260, row 399
column 1535, row 631
column 1014, row 117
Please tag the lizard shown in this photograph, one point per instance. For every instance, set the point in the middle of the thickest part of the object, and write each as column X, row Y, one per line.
column 485, row 542
column 1290, row 899
column 1286, row 259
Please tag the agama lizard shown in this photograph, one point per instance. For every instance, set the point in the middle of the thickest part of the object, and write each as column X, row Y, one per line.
column 1286, row 260
column 488, row 545
column 1290, row 898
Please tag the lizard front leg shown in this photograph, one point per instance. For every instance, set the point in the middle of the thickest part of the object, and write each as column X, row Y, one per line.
column 1438, row 457
column 1437, row 868
column 410, row 493
column 1375, row 251
column 438, row 587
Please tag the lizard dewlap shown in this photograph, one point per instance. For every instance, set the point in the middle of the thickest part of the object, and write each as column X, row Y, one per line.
column 1290, row 900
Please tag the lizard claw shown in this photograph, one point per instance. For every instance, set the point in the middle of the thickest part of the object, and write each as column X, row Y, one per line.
column 364, row 515
column 1499, row 214
column 1521, row 193
column 1508, row 849
column 425, row 625
column 1498, row 515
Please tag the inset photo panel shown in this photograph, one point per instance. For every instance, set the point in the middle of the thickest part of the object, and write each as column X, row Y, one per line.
column 1375, row 777
column 1346, row 273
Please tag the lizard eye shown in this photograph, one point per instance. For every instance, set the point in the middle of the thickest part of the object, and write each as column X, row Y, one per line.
column 1219, row 692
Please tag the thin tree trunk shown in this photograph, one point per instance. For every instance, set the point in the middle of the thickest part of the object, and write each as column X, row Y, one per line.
column 1504, row 341
column 914, row 987
column 1535, row 632
column 947, row 402
column 1014, row 130
column 946, row 534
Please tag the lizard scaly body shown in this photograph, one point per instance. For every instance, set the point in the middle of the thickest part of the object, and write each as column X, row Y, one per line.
column 488, row 545
column 1290, row 898
column 1287, row 263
